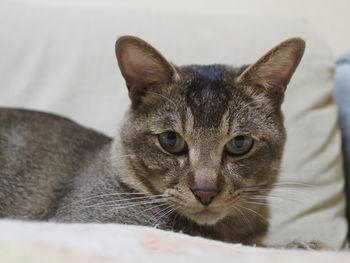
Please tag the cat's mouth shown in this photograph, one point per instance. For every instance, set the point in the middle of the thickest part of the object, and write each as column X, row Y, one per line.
column 207, row 216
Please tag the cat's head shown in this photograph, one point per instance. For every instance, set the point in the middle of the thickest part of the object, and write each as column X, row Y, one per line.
column 209, row 137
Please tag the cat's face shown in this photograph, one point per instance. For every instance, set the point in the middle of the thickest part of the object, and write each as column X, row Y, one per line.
column 208, row 137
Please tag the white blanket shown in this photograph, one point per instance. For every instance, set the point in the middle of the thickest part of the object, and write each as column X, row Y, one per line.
column 48, row 242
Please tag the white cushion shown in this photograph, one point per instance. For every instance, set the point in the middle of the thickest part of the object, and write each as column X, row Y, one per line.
column 96, row 243
column 61, row 59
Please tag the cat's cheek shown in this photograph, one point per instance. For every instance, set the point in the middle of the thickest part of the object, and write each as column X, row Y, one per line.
column 182, row 162
column 177, row 174
column 248, row 172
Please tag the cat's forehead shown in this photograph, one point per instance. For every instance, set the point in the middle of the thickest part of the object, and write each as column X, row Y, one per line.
column 209, row 93
column 207, row 102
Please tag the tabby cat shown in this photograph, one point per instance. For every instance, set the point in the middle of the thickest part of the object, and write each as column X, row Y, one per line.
column 198, row 151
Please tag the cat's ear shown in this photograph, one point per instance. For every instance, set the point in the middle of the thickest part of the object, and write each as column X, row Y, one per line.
column 142, row 67
column 273, row 71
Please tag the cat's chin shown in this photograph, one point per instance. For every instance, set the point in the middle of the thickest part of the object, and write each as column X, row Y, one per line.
column 206, row 217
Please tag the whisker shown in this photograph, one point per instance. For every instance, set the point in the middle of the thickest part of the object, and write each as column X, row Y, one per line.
column 280, row 190
column 161, row 211
column 126, row 205
column 172, row 209
column 99, row 196
column 283, row 194
column 291, row 183
column 150, row 208
column 276, row 190
column 244, row 217
column 255, row 212
column 295, row 196
column 268, row 186
column 274, row 198
column 255, row 202
column 131, row 199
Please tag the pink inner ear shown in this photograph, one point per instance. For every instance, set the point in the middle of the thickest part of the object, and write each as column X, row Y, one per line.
column 139, row 69
column 276, row 67
column 275, row 75
column 277, row 70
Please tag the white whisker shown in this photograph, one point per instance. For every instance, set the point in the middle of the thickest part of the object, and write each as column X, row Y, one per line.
column 126, row 205
column 147, row 198
column 168, row 212
column 161, row 211
column 102, row 195
column 255, row 212
column 150, row 208
column 244, row 218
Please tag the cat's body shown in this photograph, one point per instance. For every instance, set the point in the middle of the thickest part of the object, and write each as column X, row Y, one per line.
column 198, row 151
column 40, row 154
column 69, row 163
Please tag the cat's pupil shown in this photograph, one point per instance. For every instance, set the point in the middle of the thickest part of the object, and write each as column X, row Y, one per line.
column 239, row 141
column 172, row 139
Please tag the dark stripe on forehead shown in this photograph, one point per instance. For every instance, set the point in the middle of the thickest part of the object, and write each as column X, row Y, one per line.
column 207, row 95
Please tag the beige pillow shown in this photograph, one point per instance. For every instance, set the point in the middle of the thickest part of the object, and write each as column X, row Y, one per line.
column 312, row 156
column 60, row 58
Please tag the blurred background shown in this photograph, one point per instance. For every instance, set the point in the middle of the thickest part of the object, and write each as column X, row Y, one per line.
column 329, row 17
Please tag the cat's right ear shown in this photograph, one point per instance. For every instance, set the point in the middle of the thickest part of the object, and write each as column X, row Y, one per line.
column 272, row 72
column 143, row 68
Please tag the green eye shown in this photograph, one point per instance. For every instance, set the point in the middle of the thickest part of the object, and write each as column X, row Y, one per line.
column 172, row 142
column 239, row 145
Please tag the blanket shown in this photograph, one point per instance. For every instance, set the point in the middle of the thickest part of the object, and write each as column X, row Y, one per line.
column 50, row 242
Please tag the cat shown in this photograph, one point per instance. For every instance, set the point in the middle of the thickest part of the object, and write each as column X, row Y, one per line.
column 198, row 151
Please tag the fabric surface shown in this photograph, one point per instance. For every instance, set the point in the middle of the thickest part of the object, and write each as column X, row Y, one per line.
column 60, row 59
column 20, row 242
column 342, row 97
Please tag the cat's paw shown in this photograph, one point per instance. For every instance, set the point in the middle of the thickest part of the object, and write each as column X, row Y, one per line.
column 311, row 245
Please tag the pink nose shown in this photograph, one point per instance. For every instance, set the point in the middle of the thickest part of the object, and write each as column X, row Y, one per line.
column 205, row 195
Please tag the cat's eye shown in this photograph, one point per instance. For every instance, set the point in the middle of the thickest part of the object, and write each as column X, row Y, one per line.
column 239, row 145
column 172, row 142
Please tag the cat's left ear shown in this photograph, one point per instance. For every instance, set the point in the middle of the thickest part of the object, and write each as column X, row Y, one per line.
column 273, row 71
column 143, row 68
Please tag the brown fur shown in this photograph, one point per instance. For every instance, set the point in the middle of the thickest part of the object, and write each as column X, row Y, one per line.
column 53, row 169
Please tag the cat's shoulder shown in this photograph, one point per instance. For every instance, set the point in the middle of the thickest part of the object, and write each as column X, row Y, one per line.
column 25, row 115
column 32, row 121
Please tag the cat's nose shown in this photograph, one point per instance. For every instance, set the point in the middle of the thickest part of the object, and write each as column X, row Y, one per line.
column 205, row 195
